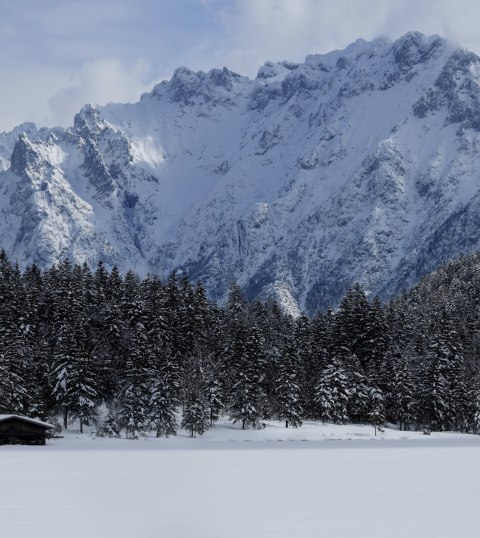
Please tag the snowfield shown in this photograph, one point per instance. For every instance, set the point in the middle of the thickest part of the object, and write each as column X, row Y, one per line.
column 319, row 480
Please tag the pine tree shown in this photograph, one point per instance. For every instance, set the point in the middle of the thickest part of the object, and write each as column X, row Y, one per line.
column 324, row 399
column 310, row 359
column 134, row 396
column 64, row 361
column 473, row 404
column 110, row 426
column 351, row 323
column 287, row 388
column 441, row 384
column 376, row 416
column 83, row 393
column 139, row 359
column 12, row 387
column 248, row 397
column 399, row 390
column 195, row 415
column 103, row 329
column 375, row 342
column 358, row 392
column 13, row 357
column 164, row 396
column 33, row 365
column 215, row 398
column 133, row 410
column 433, row 408
column 333, row 393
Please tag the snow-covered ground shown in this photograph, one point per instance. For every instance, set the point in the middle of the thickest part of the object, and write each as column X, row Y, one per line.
column 334, row 481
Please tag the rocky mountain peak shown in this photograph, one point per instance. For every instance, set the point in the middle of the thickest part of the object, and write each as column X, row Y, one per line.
column 188, row 87
column 415, row 48
column 24, row 157
column 356, row 165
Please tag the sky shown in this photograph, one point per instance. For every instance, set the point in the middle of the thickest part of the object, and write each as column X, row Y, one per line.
column 57, row 55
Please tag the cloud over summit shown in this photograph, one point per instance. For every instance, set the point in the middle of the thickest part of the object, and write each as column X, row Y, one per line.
column 58, row 55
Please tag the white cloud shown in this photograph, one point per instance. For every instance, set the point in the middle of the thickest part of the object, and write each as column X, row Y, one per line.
column 57, row 58
column 100, row 82
column 291, row 29
column 24, row 94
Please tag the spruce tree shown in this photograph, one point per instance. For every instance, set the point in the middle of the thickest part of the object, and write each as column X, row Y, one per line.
column 164, row 396
column 287, row 388
column 195, row 417
column 399, row 390
column 324, row 399
column 135, row 393
column 248, row 397
column 333, row 393
column 215, row 398
column 376, row 415
column 358, row 392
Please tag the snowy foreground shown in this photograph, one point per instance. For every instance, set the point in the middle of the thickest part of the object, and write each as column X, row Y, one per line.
column 332, row 481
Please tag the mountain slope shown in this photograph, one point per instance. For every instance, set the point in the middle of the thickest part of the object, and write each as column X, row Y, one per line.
column 360, row 164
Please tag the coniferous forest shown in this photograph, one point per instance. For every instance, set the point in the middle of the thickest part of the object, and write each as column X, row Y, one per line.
column 129, row 355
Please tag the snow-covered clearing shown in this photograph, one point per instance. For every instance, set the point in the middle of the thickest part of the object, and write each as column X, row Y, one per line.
column 334, row 481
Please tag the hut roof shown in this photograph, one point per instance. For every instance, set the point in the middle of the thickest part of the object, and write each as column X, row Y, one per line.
column 45, row 425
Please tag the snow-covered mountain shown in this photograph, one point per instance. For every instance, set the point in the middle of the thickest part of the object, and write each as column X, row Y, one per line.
column 358, row 165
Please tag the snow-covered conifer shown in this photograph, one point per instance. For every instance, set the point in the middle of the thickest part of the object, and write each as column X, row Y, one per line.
column 376, row 408
column 333, row 393
column 287, row 388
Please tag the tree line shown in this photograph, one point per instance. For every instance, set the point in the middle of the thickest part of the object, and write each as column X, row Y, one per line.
column 131, row 355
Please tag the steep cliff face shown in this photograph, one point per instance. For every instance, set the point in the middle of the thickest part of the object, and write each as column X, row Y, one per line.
column 358, row 165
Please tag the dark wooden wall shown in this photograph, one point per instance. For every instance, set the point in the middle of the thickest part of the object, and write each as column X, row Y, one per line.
column 15, row 430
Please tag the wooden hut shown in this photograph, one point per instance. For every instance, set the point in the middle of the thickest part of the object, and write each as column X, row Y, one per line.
column 17, row 430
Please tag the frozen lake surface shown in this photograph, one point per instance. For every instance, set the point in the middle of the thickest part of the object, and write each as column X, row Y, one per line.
column 332, row 481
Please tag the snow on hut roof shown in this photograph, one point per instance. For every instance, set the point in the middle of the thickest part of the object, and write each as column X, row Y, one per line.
column 26, row 419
